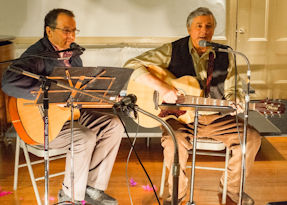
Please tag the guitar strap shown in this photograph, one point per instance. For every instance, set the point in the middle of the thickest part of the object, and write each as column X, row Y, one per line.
column 209, row 74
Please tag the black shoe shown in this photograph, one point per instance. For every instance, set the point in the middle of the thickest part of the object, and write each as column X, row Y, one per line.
column 65, row 199
column 100, row 197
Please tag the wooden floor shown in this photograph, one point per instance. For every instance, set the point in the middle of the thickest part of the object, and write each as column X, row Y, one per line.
column 267, row 182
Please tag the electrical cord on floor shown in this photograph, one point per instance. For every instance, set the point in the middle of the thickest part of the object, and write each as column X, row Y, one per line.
column 128, row 158
column 133, row 148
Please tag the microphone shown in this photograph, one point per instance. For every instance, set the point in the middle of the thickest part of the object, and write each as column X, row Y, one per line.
column 129, row 99
column 127, row 105
column 74, row 48
column 78, row 50
column 204, row 43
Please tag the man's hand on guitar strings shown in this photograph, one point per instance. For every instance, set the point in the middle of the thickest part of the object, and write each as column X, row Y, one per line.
column 169, row 94
column 237, row 108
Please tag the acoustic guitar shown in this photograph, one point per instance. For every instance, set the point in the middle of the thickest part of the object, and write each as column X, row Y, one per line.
column 27, row 118
column 188, row 86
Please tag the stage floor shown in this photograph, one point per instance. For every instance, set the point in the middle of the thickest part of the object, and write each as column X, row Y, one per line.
column 266, row 183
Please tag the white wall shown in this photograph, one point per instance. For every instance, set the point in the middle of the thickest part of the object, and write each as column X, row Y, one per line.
column 108, row 18
column 114, row 57
column 24, row 18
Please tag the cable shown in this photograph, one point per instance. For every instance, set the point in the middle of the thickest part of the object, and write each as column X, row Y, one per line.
column 133, row 148
column 130, row 152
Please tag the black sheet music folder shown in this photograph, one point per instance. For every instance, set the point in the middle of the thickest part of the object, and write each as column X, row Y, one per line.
column 102, row 81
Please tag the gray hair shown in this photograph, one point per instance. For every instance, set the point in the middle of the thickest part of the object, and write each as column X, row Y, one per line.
column 201, row 11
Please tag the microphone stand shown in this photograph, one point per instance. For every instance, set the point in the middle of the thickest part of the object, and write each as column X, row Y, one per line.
column 247, row 100
column 129, row 104
column 123, row 104
column 176, row 165
column 46, row 86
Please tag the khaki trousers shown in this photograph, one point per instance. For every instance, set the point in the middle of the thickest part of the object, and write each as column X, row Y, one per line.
column 221, row 128
column 97, row 138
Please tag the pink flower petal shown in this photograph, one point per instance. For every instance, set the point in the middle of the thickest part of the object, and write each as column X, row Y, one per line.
column 133, row 182
column 4, row 193
column 148, row 188
column 144, row 187
column 51, row 198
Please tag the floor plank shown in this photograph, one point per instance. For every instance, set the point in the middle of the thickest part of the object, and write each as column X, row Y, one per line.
column 267, row 181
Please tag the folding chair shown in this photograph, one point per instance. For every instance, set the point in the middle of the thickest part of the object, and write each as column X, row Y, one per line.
column 208, row 147
column 37, row 150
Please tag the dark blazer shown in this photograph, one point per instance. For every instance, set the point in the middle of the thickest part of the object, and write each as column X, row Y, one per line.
column 20, row 86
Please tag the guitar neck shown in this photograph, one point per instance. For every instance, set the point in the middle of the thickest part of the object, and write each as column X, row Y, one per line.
column 208, row 101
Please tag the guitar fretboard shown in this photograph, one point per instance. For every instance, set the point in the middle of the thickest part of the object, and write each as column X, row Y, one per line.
column 188, row 99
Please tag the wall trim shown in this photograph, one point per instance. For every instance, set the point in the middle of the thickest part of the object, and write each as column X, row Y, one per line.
column 113, row 42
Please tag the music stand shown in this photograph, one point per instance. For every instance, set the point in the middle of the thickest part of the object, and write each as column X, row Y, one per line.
column 197, row 108
column 85, row 86
column 99, row 82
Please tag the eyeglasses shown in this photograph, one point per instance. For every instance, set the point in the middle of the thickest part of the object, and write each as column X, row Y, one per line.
column 68, row 31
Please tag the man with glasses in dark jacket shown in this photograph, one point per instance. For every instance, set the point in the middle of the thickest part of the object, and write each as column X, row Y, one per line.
column 97, row 136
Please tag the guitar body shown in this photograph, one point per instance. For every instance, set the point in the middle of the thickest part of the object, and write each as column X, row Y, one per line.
column 186, row 85
column 189, row 87
column 28, row 121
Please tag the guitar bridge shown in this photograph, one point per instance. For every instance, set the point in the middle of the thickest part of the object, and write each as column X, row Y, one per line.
column 155, row 99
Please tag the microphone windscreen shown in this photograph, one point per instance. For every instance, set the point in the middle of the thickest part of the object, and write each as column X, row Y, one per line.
column 202, row 43
column 74, row 45
column 77, row 47
column 133, row 98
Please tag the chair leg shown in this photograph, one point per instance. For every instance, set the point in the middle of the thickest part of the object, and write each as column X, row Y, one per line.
column 147, row 142
column 162, row 179
column 31, row 173
column 224, row 191
column 16, row 166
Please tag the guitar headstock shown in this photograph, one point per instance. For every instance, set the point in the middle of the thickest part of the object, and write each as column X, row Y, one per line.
column 270, row 107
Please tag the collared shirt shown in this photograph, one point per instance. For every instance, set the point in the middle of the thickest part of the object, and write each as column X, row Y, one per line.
column 66, row 54
column 161, row 57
